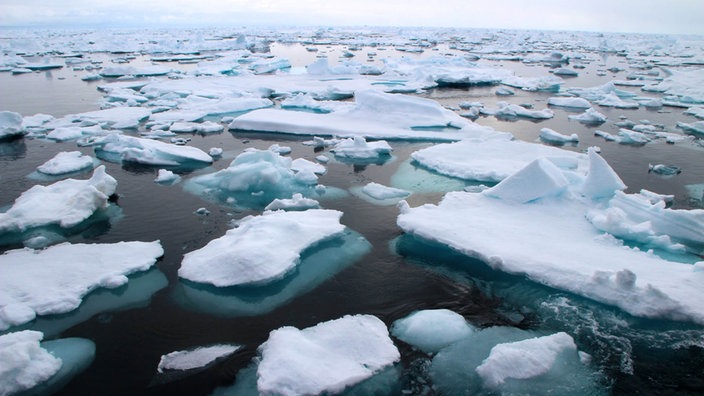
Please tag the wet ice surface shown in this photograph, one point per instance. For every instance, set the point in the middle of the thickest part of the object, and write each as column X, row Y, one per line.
column 216, row 121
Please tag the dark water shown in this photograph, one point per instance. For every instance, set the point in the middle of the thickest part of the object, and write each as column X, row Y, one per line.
column 396, row 276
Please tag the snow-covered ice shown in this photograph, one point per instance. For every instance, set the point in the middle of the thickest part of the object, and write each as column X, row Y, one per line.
column 118, row 147
column 325, row 358
column 10, row 125
column 65, row 203
column 431, row 330
column 590, row 116
column 195, row 358
column 574, row 103
column 261, row 249
column 359, row 148
column 296, row 202
column 381, row 192
column 551, row 136
column 55, row 280
column 66, row 162
column 549, row 204
column 25, row 363
column 165, row 176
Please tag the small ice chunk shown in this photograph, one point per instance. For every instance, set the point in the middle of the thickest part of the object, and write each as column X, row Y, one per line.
column 302, row 164
column 601, row 181
column 539, row 179
column 65, row 133
column 503, row 91
column 575, row 103
column 695, row 128
column 25, row 364
column 381, row 192
column 432, row 329
column 564, row 72
column 165, row 176
column 297, row 202
column 215, row 152
column 590, row 116
column 323, row 159
column 149, row 152
column 512, row 110
column 66, row 162
column 10, row 125
column 552, row 136
column 261, row 249
column 299, row 362
column 665, row 170
column 627, row 136
column 282, row 150
column 524, row 359
column 359, row 148
column 195, row 358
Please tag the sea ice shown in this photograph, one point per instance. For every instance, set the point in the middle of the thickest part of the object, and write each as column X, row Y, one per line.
column 113, row 118
column 551, row 136
column 590, row 116
column 65, row 203
column 612, row 100
column 431, row 330
column 66, row 162
column 54, row 280
column 195, row 358
column 575, row 103
column 10, row 125
column 694, row 128
column 627, row 136
column 76, row 355
column 296, row 202
column 261, row 249
column 359, row 148
column 587, row 261
column 325, row 358
column 524, row 359
column 25, row 363
column 509, row 110
column 381, row 192
column 491, row 159
column 165, row 176
column 118, row 147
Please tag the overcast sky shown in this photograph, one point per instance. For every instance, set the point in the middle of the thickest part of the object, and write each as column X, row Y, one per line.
column 648, row 16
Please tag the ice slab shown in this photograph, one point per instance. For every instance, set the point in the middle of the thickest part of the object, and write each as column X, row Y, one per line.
column 66, row 162
column 358, row 148
column 431, row 330
column 317, row 265
column 590, row 116
column 586, row 261
column 10, row 125
column 76, row 355
column 65, row 203
column 574, row 103
column 325, row 358
column 25, row 363
column 551, row 136
column 113, row 118
column 509, row 110
column 491, row 159
column 117, row 147
column 55, row 280
column 195, row 358
column 296, row 202
column 165, row 176
column 261, row 249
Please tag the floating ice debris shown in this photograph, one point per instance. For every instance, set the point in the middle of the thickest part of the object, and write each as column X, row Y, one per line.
column 302, row 164
column 627, row 136
column 76, row 355
column 115, row 118
column 202, row 212
column 590, row 116
column 195, row 358
column 323, row 159
column 665, row 170
column 165, row 176
column 695, row 128
column 196, row 127
column 65, row 203
column 432, row 329
column 611, row 100
column 596, row 264
column 261, row 249
column 65, row 133
column 325, row 358
column 607, row 92
column 502, row 91
column 307, row 101
column 55, row 280
column 296, row 202
column 565, row 72
column 575, row 103
column 117, row 147
column 607, row 136
column 545, row 83
column 359, row 148
column 25, row 363
column 697, row 111
column 551, row 136
column 685, row 85
column 491, row 159
column 215, row 152
column 381, row 192
column 509, row 110
column 119, row 71
column 283, row 150
column 525, row 359
column 66, row 162
column 10, row 125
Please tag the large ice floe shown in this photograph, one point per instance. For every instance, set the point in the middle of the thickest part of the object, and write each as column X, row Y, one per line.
column 56, row 279
column 40, row 368
column 374, row 114
column 122, row 148
column 578, row 232
column 327, row 358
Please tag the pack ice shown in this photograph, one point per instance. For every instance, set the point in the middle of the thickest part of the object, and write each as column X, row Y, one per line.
column 65, row 203
column 325, row 358
column 55, row 280
column 577, row 232
column 261, row 249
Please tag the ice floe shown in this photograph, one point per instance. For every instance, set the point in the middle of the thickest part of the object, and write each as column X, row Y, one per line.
column 551, row 136
column 65, row 203
column 325, row 358
column 165, row 176
column 574, row 103
column 261, row 249
column 123, row 148
column 195, row 358
column 10, row 125
column 590, row 116
column 55, row 280
column 548, row 204
column 358, row 148
column 431, row 330
column 66, row 162
column 296, row 202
